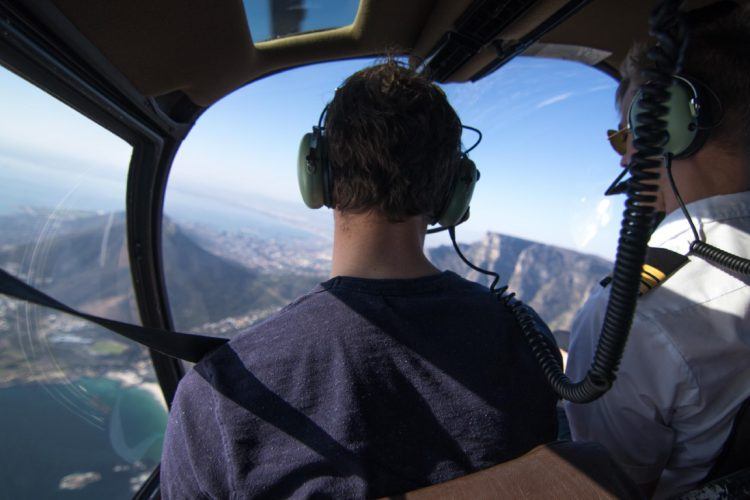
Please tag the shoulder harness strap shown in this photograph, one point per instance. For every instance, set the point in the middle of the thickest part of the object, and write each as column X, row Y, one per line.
column 185, row 346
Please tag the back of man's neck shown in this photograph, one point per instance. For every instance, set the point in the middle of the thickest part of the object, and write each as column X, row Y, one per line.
column 711, row 172
column 368, row 246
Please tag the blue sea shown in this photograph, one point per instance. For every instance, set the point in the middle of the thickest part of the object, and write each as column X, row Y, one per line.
column 99, row 441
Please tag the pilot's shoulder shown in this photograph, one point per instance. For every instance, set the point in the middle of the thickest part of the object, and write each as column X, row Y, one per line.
column 660, row 265
column 672, row 283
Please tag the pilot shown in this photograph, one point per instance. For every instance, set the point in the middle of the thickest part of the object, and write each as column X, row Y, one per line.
column 686, row 367
column 391, row 375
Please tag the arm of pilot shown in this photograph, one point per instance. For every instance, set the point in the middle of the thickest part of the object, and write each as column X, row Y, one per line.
column 654, row 384
column 193, row 461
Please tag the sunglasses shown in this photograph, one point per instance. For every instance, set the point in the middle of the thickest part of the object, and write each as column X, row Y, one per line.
column 618, row 139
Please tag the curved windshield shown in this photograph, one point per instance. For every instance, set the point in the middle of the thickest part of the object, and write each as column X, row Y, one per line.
column 239, row 243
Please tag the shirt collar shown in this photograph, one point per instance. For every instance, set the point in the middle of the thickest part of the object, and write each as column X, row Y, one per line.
column 674, row 231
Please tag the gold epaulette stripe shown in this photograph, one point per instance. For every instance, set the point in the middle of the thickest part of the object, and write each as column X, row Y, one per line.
column 667, row 261
column 655, row 273
column 650, row 278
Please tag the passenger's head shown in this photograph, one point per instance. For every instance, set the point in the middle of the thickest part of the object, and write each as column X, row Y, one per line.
column 393, row 142
column 717, row 55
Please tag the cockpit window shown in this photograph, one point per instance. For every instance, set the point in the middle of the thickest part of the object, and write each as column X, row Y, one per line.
column 81, row 413
column 239, row 243
column 271, row 19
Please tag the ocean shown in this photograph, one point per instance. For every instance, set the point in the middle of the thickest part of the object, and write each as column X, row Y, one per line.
column 92, row 438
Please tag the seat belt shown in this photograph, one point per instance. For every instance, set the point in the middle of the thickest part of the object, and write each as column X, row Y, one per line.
column 186, row 346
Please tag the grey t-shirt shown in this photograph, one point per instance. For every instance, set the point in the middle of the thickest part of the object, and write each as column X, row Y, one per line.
column 361, row 388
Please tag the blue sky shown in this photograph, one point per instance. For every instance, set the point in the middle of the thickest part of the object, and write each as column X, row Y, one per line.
column 544, row 158
column 318, row 14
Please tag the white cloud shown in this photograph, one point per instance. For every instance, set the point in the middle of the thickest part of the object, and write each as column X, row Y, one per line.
column 606, row 86
column 554, row 99
column 597, row 219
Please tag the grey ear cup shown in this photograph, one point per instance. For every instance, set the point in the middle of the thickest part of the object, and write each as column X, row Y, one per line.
column 460, row 197
column 688, row 117
column 313, row 175
column 309, row 172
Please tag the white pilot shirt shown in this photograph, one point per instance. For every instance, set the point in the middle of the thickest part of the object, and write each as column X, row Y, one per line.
column 686, row 366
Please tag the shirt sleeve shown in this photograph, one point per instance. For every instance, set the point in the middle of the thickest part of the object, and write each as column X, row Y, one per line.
column 193, row 461
column 632, row 420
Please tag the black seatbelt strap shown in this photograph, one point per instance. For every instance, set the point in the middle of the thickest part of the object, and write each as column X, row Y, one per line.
column 177, row 345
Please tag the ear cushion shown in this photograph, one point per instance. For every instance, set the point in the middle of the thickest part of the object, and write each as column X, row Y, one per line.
column 460, row 198
column 684, row 118
column 310, row 171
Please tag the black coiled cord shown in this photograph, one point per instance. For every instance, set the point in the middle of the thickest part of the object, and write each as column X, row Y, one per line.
column 721, row 258
column 667, row 26
column 728, row 261
column 531, row 324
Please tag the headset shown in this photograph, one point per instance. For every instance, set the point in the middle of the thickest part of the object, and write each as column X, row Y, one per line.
column 693, row 110
column 316, row 182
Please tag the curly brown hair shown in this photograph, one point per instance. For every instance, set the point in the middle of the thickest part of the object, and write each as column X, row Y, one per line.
column 718, row 55
column 393, row 142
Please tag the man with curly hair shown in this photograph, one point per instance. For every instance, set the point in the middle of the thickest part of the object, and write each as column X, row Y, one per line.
column 388, row 377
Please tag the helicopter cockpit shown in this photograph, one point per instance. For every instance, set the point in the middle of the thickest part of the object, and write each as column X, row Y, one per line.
column 147, row 151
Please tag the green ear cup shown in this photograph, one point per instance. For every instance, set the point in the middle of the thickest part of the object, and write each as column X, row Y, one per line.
column 682, row 118
column 310, row 174
column 461, row 195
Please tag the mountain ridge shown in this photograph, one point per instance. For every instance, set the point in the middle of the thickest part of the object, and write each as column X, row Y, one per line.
column 209, row 281
column 553, row 280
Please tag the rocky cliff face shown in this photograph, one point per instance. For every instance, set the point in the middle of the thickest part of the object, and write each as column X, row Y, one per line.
column 555, row 281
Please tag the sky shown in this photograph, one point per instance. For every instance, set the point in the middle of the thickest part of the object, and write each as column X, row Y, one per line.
column 544, row 159
column 316, row 15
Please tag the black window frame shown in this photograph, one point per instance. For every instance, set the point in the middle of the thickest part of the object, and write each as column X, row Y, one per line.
column 66, row 66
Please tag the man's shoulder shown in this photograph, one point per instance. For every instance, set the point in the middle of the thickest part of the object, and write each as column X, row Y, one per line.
column 327, row 301
column 334, row 309
column 281, row 328
column 675, row 320
column 698, row 281
column 693, row 284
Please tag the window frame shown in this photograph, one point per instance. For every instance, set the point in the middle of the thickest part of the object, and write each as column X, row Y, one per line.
column 95, row 89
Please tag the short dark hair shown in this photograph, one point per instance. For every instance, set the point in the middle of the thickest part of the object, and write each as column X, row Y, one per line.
column 393, row 142
column 718, row 55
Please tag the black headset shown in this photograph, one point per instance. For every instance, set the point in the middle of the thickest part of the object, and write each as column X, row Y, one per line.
column 316, row 183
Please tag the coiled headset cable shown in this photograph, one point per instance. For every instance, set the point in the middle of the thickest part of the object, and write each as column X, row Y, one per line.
column 668, row 26
column 721, row 258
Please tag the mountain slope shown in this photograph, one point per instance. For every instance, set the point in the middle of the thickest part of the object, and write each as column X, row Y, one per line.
column 555, row 281
column 88, row 268
column 205, row 288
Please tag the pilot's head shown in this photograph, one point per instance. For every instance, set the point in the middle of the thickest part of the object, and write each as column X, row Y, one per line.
column 718, row 55
column 394, row 141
